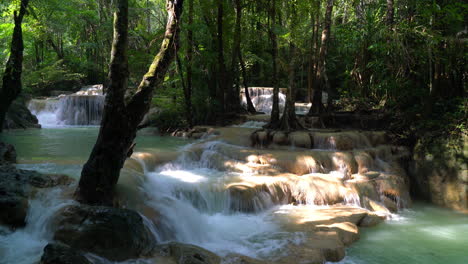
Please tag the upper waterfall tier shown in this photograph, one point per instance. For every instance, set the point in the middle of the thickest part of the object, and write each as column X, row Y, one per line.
column 83, row 108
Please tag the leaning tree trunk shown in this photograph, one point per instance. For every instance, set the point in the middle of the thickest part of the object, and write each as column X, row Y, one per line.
column 274, row 119
column 122, row 116
column 11, row 86
column 317, row 106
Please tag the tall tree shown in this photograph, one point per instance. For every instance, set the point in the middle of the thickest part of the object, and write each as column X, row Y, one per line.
column 233, row 94
column 289, row 120
column 312, row 69
column 222, row 78
column 275, row 115
column 11, row 85
column 390, row 13
column 317, row 106
column 188, row 87
column 121, row 116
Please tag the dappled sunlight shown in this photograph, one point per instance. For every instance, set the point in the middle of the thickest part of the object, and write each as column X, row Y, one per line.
column 185, row 176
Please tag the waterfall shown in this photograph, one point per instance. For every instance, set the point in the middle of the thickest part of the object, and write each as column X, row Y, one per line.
column 83, row 108
column 262, row 99
column 80, row 110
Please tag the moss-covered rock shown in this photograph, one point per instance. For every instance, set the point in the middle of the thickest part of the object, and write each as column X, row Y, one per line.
column 440, row 172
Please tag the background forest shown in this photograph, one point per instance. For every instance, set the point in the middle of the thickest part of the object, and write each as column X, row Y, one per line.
column 403, row 56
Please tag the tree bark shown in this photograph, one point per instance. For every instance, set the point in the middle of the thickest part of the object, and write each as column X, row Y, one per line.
column 11, row 85
column 121, row 116
column 390, row 13
column 274, row 120
column 289, row 120
column 250, row 107
column 233, row 94
column 222, row 79
column 188, row 88
column 317, row 106
column 312, row 70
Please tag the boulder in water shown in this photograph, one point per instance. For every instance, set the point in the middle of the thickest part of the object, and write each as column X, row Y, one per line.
column 19, row 116
column 187, row 254
column 57, row 253
column 240, row 259
column 16, row 186
column 113, row 233
column 371, row 219
column 7, row 153
column 14, row 210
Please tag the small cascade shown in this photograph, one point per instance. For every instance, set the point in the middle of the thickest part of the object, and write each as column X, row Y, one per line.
column 25, row 246
column 80, row 110
column 262, row 99
column 83, row 108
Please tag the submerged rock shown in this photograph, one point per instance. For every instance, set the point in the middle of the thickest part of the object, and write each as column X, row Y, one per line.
column 240, row 259
column 56, row 253
column 113, row 233
column 7, row 153
column 17, row 186
column 187, row 254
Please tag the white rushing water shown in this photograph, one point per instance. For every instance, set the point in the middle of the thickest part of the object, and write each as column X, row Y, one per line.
column 196, row 208
column 24, row 246
column 83, row 108
column 262, row 99
column 191, row 201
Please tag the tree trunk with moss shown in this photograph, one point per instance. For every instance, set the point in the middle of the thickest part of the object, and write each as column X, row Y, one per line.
column 11, row 85
column 122, row 115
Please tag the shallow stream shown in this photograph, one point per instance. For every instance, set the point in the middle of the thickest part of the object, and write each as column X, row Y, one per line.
column 196, row 210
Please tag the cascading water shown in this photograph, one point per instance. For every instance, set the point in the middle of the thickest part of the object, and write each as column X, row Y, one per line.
column 215, row 195
column 262, row 99
column 82, row 108
column 24, row 246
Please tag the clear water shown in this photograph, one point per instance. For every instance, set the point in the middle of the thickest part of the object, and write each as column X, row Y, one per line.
column 65, row 149
column 193, row 206
column 424, row 234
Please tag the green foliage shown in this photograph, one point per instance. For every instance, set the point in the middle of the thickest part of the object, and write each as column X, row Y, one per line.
column 50, row 76
column 370, row 65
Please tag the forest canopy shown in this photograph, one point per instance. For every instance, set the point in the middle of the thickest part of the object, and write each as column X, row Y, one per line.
column 400, row 55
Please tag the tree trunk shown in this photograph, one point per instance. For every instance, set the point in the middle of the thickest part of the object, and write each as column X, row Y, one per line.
column 390, row 13
column 317, row 106
column 312, row 70
column 289, row 120
column 121, row 116
column 188, row 88
column 11, row 86
column 222, row 80
column 250, row 107
column 233, row 95
column 274, row 120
